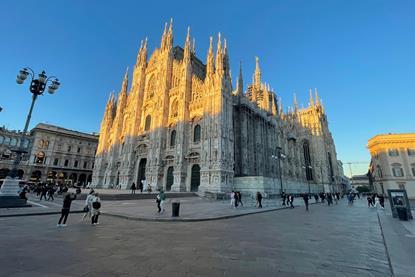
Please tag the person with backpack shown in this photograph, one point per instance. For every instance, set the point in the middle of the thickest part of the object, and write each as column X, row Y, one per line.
column 67, row 201
column 88, row 204
column 96, row 206
column 162, row 196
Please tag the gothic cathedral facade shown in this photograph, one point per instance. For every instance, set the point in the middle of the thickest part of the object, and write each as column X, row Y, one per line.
column 181, row 126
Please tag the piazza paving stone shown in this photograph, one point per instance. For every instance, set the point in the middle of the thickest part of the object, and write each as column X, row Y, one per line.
column 326, row 241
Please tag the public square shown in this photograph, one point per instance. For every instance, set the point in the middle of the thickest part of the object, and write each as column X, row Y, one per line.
column 326, row 241
column 172, row 138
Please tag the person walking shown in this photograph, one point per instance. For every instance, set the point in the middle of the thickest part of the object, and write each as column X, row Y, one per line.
column 284, row 197
column 322, row 196
column 369, row 201
column 141, row 186
column 259, row 199
column 305, row 198
column 133, row 188
column 239, row 197
column 316, row 197
column 291, row 200
column 43, row 192
column 96, row 206
column 232, row 195
column 67, row 201
column 162, row 200
column 88, row 204
column 51, row 192
column 329, row 199
column 158, row 203
column 236, row 199
column 376, row 201
column 382, row 201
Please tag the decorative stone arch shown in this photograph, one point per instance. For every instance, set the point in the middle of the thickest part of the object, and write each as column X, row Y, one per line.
column 147, row 123
column 74, row 178
column 174, row 108
column 82, row 179
column 172, row 138
column 4, row 172
column 36, row 175
column 195, row 178
column 307, row 159
column 169, row 178
column 197, row 133
column 52, row 175
column 151, row 86
column 20, row 173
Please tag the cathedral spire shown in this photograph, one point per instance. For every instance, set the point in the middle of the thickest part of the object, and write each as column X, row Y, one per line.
column 169, row 38
column 124, row 85
column 210, row 62
column 219, row 56
column 163, row 37
column 239, row 81
column 257, row 82
column 317, row 99
column 311, row 98
column 281, row 108
column 273, row 105
column 295, row 102
column 187, row 49
column 226, row 66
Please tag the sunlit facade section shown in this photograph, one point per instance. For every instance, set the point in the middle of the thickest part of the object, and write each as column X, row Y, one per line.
column 393, row 162
column 181, row 125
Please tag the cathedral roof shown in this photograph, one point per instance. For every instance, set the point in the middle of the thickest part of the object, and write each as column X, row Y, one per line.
column 199, row 69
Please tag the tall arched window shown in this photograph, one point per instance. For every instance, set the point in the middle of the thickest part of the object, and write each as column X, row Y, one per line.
column 173, row 138
column 174, row 112
column 379, row 171
column 307, row 161
column 196, row 133
column 148, row 123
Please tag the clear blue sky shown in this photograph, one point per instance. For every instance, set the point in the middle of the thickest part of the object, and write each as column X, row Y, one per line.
column 359, row 54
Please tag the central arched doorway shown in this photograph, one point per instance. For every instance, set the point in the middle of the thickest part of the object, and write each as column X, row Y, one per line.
column 195, row 178
column 169, row 178
column 141, row 170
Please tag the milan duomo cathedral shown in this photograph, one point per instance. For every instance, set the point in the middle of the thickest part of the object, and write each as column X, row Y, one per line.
column 181, row 125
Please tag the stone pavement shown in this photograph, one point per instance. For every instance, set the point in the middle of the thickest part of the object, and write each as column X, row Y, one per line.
column 400, row 242
column 326, row 241
column 191, row 208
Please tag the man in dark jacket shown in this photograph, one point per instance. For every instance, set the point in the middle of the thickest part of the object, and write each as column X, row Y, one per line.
column 67, row 201
column 305, row 198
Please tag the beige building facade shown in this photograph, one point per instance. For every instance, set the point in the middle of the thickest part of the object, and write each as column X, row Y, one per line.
column 393, row 162
column 55, row 154
column 181, row 125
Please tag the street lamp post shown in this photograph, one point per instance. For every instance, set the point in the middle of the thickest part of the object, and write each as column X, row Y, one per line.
column 279, row 155
column 37, row 87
